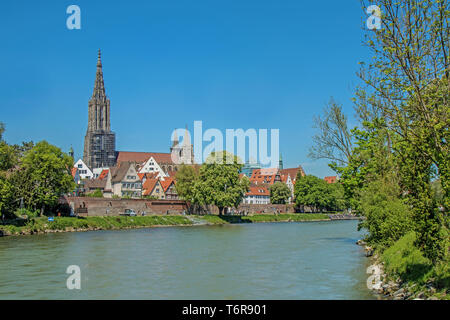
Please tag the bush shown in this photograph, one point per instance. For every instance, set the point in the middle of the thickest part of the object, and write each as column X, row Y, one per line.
column 388, row 218
column 26, row 212
column 406, row 261
column 96, row 194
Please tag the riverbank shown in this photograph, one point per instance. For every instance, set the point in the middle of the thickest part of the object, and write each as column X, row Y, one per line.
column 72, row 224
column 401, row 272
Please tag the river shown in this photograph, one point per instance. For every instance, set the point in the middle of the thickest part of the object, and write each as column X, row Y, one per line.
column 305, row 260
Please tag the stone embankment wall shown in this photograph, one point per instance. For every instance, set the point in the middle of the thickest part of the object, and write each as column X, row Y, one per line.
column 88, row 206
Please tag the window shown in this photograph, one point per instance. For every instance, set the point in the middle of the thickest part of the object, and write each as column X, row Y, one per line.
column 80, row 166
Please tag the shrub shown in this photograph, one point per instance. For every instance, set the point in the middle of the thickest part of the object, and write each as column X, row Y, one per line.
column 26, row 212
column 406, row 261
column 388, row 218
column 96, row 194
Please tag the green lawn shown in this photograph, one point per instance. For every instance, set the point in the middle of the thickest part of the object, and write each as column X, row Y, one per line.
column 118, row 222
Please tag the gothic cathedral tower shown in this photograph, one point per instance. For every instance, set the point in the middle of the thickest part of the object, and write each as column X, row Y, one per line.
column 100, row 141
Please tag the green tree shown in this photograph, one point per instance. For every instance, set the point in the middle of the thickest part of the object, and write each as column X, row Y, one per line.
column 279, row 193
column 186, row 178
column 388, row 217
column 47, row 170
column 219, row 183
column 2, row 130
column 8, row 156
column 337, row 197
column 407, row 84
column 6, row 196
column 311, row 191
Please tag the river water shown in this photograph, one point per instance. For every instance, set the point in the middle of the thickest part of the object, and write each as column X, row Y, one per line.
column 305, row 260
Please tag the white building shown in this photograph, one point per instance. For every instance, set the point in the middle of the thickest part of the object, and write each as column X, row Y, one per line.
column 257, row 195
column 151, row 166
column 84, row 171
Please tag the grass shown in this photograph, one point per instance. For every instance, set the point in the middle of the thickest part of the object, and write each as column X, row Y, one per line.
column 62, row 223
column 405, row 261
column 41, row 224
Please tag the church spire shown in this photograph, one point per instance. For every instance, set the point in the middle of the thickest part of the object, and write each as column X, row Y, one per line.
column 99, row 86
column 175, row 139
column 186, row 137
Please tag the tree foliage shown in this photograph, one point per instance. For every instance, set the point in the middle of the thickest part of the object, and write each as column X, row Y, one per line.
column 186, row 178
column 35, row 176
column 401, row 142
column 317, row 193
column 216, row 182
column 219, row 183
column 279, row 193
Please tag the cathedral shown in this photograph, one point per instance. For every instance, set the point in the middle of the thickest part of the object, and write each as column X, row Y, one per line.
column 100, row 141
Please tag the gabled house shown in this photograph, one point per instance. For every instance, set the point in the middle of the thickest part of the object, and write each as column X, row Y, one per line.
column 123, row 181
column 286, row 179
column 169, row 189
column 151, row 166
column 153, row 188
column 98, row 171
column 265, row 176
column 84, row 171
column 163, row 160
column 293, row 172
column 92, row 185
column 257, row 195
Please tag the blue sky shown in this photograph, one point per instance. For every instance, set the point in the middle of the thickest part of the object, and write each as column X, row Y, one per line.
column 269, row 64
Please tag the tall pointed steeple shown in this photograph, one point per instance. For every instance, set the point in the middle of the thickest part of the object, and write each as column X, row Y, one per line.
column 186, row 137
column 99, row 86
column 175, row 139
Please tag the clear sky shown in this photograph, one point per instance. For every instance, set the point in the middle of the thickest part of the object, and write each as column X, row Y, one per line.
column 230, row 63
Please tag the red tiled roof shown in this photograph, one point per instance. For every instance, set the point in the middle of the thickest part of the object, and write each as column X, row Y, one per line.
column 293, row 172
column 140, row 157
column 148, row 175
column 166, row 183
column 260, row 176
column 74, row 172
column 148, row 186
column 258, row 191
column 103, row 174
column 331, row 179
column 284, row 178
